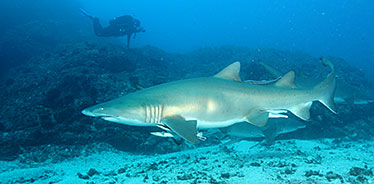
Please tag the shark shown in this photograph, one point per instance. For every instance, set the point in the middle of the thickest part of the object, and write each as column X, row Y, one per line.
column 274, row 128
column 181, row 108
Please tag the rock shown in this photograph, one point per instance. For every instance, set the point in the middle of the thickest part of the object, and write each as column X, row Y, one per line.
column 313, row 160
column 357, row 171
column 9, row 152
column 109, row 173
column 81, row 176
column 156, row 178
column 92, row 172
column 153, row 166
column 255, row 164
column 225, row 175
column 121, row 170
column 312, row 173
column 185, row 177
column 289, row 171
column 362, row 179
column 330, row 176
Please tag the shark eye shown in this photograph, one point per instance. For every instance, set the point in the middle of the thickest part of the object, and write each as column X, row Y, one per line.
column 101, row 108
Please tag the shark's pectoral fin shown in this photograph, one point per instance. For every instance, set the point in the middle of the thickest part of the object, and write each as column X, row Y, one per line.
column 258, row 118
column 186, row 129
column 302, row 111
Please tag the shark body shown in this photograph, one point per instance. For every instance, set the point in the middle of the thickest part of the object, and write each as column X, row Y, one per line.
column 181, row 107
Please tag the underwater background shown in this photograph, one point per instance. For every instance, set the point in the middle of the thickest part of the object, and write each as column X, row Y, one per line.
column 52, row 66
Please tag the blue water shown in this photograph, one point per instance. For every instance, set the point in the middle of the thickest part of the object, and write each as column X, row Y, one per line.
column 52, row 66
column 322, row 28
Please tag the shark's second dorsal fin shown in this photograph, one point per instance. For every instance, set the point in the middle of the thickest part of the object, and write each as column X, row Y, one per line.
column 287, row 81
column 231, row 72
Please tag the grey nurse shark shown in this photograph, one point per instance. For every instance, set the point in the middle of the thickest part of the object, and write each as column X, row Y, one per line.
column 182, row 107
column 274, row 128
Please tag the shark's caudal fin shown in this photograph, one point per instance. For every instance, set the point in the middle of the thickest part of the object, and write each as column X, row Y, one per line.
column 324, row 92
column 326, row 88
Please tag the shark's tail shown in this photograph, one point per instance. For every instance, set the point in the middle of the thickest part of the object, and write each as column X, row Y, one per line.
column 326, row 89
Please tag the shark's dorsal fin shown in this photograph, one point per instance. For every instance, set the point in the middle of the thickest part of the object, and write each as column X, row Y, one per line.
column 231, row 72
column 287, row 81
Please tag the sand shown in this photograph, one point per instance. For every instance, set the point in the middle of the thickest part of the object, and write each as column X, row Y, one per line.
column 287, row 161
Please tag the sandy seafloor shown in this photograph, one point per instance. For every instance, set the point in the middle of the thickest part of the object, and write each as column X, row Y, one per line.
column 287, row 161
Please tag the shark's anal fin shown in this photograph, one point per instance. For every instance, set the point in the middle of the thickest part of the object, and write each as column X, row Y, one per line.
column 302, row 111
column 186, row 129
column 231, row 72
column 258, row 118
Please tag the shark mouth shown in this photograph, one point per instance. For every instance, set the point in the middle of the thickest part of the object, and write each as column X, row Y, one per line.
column 110, row 118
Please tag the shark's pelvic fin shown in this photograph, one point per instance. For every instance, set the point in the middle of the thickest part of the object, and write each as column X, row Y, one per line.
column 231, row 72
column 258, row 118
column 287, row 81
column 183, row 128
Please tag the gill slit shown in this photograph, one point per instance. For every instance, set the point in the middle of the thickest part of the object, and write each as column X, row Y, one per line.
column 153, row 113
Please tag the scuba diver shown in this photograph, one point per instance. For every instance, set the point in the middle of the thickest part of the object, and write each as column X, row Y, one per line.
column 120, row 26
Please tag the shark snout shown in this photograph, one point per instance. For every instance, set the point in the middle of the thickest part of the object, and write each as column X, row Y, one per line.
column 87, row 112
column 94, row 111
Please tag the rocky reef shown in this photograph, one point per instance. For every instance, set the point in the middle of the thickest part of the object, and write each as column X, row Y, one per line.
column 41, row 100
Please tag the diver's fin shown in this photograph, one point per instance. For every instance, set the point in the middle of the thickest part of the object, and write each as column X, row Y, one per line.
column 84, row 12
column 287, row 81
column 183, row 128
column 231, row 72
column 257, row 118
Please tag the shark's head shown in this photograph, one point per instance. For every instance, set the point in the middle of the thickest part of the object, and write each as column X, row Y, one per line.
column 122, row 110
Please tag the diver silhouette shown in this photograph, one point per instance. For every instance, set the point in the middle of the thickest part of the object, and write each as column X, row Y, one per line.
column 120, row 26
